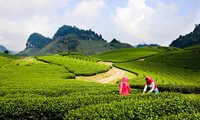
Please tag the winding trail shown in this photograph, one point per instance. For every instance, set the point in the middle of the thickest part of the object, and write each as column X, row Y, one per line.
column 116, row 73
column 110, row 76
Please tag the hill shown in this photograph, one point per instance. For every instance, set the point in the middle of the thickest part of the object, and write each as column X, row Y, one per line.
column 173, row 70
column 71, row 39
column 132, row 54
column 129, row 54
column 188, row 40
column 48, row 90
column 2, row 48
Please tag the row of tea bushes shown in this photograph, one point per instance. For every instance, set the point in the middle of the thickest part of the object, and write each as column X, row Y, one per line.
column 139, row 110
column 76, row 66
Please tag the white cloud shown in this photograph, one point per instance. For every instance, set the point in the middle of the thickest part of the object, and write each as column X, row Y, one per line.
column 22, row 8
column 134, row 23
column 160, row 25
column 16, row 32
column 85, row 13
column 20, row 18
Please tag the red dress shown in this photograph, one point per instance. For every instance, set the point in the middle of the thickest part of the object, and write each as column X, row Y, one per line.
column 124, row 87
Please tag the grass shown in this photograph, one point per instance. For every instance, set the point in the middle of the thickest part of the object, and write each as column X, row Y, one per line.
column 4, row 61
column 6, row 58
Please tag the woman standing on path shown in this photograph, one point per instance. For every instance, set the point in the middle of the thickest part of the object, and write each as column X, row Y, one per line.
column 151, row 84
column 124, row 87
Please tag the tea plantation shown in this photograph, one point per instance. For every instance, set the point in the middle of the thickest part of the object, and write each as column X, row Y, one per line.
column 43, row 87
column 129, row 54
column 176, row 69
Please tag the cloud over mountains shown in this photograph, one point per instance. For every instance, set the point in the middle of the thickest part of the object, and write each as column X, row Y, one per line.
column 132, row 21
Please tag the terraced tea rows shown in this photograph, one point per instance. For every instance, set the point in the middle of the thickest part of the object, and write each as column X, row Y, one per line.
column 76, row 66
column 167, row 68
column 80, row 56
column 32, row 89
column 139, row 110
column 129, row 54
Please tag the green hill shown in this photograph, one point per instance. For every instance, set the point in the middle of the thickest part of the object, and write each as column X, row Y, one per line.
column 129, row 54
column 44, row 88
column 173, row 70
column 188, row 40
column 71, row 39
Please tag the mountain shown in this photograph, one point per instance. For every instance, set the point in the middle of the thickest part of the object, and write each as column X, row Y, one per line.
column 83, row 34
column 34, row 43
column 146, row 45
column 2, row 48
column 71, row 39
column 191, row 39
column 36, row 40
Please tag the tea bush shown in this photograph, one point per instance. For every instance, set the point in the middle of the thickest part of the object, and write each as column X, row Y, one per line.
column 76, row 66
column 136, row 110
column 128, row 54
column 169, row 68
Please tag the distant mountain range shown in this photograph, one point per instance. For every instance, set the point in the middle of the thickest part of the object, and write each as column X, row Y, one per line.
column 71, row 39
column 191, row 39
column 146, row 45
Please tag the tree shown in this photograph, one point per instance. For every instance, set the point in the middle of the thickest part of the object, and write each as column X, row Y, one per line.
column 6, row 52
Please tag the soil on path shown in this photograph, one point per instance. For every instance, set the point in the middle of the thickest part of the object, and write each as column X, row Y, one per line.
column 110, row 76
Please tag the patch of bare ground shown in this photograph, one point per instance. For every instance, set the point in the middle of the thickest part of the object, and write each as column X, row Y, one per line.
column 110, row 76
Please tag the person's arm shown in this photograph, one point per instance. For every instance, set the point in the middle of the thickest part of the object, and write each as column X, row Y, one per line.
column 153, row 85
column 145, row 88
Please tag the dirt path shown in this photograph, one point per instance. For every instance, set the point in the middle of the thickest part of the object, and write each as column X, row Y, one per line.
column 115, row 75
column 110, row 76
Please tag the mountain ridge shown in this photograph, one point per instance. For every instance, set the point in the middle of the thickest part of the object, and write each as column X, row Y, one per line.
column 70, row 39
column 190, row 39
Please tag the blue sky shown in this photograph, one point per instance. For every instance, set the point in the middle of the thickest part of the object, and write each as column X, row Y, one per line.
column 130, row 21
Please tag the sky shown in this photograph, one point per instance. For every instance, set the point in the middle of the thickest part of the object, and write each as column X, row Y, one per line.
column 129, row 21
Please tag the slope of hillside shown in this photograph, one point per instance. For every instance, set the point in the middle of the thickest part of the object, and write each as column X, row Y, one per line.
column 180, row 67
column 73, row 43
column 188, row 40
column 32, row 89
column 128, row 54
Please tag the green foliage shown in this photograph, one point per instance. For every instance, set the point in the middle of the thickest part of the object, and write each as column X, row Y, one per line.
column 76, row 66
column 176, row 67
column 80, row 56
column 128, row 54
column 182, row 116
column 154, row 107
column 10, row 56
column 33, row 89
column 84, row 34
column 186, row 89
column 4, row 61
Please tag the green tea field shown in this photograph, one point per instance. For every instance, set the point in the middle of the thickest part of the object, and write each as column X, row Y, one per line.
column 45, row 87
